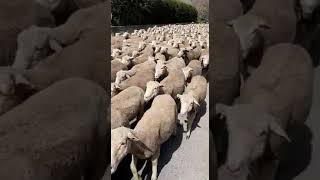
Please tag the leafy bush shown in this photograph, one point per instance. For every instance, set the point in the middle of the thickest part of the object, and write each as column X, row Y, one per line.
column 138, row 12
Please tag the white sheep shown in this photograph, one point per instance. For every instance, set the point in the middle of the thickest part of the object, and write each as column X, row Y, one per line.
column 119, row 64
column 194, row 94
column 308, row 7
column 267, row 23
column 142, row 141
column 267, row 107
column 139, row 75
column 196, row 69
column 126, row 106
column 173, row 84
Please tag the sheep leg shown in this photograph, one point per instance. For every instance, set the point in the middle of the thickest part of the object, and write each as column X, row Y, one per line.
column 189, row 125
column 174, row 133
column 154, row 161
column 54, row 45
column 133, row 167
column 241, row 81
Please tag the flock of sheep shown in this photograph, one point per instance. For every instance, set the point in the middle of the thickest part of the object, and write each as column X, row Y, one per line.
column 54, row 122
column 156, row 74
column 53, row 96
column 262, row 84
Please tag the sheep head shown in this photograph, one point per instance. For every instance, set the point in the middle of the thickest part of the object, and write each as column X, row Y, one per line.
column 126, row 60
column 187, row 71
column 121, row 76
column 204, row 59
column 152, row 90
column 249, row 128
column 248, row 28
column 160, row 69
column 34, row 43
column 188, row 102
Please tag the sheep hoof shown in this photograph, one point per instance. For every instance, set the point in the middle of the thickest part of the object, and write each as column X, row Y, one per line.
column 188, row 135
column 139, row 178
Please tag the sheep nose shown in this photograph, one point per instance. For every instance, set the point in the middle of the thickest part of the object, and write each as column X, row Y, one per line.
column 146, row 99
column 233, row 167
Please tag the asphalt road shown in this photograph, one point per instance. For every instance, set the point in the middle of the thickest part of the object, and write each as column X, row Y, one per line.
column 180, row 158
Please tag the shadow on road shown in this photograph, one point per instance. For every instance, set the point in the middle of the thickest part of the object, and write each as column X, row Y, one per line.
column 298, row 155
column 167, row 150
column 202, row 112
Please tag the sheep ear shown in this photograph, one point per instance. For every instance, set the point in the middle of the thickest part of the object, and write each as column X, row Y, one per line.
column 20, row 79
column 276, row 128
column 136, row 140
column 231, row 23
column 222, row 109
column 128, row 76
column 196, row 102
column 263, row 24
column 132, row 137
column 54, row 45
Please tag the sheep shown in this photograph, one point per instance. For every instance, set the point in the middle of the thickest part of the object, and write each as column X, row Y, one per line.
column 267, row 106
column 172, row 51
column 173, row 84
column 56, row 5
column 141, row 59
column 226, row 63
column 139, row 79
column 204, row 59
column 139, row 75
column 189, row 54
column 225, row 11
column 123, row 75
column 113, row 89
column 263, row 26
column 308, row 7
column 27, row 13
column 14, row 88
column 161, row 70
column 160, row 56
column 18, row 167
column 187, row 72
column 175, row 63
column 126, row 106
column 28, row 35
column 196, row 67
column 119, row 64
column 142, row 46
column 194, row 94
column 65, row 135
column 116, row 53
column 83, row 57
column 142, row 141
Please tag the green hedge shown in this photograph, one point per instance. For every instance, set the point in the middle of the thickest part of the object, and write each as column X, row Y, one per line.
column 138, row 12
